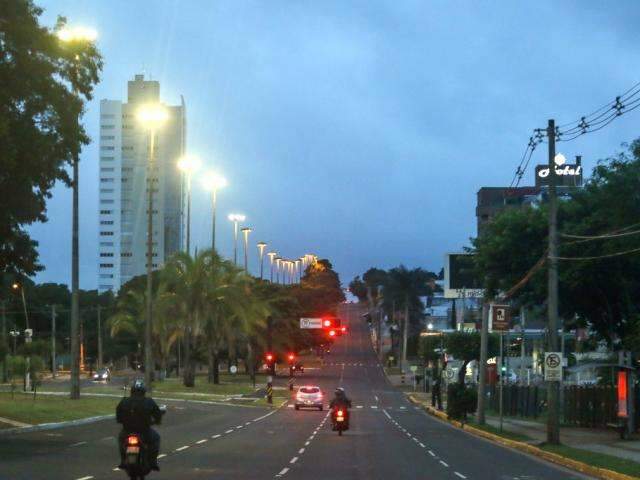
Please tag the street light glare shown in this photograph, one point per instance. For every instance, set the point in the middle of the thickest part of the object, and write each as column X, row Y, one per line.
column 189, row 164
column 78, row 33
column 152, row 115
column 237, row 217
column 212, row 181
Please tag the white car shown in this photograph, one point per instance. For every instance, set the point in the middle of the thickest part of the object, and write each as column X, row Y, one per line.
column 309, row 396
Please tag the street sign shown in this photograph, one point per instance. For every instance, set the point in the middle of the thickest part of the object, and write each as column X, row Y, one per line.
column 553, row 367
column 501, row 318
column 310, row 323
column 233, row 369
column 28, row 334
column 460, row 278
column 413, row 368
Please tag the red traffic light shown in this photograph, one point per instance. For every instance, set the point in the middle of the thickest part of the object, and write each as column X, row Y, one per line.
column 269, row 357
column 291, row 357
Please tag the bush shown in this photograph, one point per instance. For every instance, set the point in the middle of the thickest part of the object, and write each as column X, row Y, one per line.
column 461, row 400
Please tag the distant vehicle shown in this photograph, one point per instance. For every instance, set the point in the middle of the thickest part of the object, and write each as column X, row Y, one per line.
column 299, row 367
column 309, row 396
column 102, row 375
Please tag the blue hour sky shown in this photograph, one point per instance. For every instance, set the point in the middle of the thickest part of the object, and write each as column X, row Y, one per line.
column 357, row 130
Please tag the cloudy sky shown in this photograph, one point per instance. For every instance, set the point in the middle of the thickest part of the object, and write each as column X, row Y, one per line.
column 357, row 130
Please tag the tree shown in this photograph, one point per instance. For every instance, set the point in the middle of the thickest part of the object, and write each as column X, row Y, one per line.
column 44, row 87
column 465, row 346
column 358, row 289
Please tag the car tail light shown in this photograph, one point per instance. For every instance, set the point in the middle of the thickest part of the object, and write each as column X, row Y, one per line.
column 133, row 440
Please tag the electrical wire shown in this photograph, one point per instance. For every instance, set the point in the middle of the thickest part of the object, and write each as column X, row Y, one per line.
column 600, row 237
column 598, row 257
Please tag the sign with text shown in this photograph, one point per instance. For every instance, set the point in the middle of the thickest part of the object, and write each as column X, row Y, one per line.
column 566, row 174
column 310, row 323
column 460, row 278
column 553, row 367
column 500, row 318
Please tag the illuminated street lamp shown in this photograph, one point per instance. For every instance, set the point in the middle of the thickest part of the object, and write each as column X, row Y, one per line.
column 278, row 264
column 76, row 37
column 261, row 247
column 235, row 218
column 213, row 182
column 188, row 165
column 297, row 267
column 272, row 256
column 151, row 117
column 245, row 233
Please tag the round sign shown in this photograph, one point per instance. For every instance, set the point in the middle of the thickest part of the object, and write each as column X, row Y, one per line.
column 553, row 360
column 448, row 374
column 233, row 369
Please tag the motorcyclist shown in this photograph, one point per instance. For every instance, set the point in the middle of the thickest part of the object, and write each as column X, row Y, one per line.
column 136, row 414
column 340, row 400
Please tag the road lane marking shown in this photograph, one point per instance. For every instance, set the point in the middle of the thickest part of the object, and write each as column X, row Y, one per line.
column 283, row 471
column 78, row 444
column 264, row 416
column 216, row 436
column 199, row 442
column 403, row 408
column 306, row 444
column 459, row 474
column 290, row 406
column 359, row 406
column 182, row 448
column 444, row 463
column 293, row 460
column 374, row 406
column 229, row 431
column 376, row 397
column 387, row 414
column 422, row 444
column 301, row 451
column 86, row 478
column 431, row 453
column 239, row 426
column 248, row 423
column 116, row 469
column 162, row 455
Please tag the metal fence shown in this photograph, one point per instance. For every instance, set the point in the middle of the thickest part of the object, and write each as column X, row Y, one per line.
column 585, row 406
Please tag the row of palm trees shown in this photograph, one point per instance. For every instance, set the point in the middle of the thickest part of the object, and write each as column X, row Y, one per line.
column 206, row 303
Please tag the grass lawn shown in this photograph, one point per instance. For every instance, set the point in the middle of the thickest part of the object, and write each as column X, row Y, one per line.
column 45, row 409
column 601, row 460
column 496, row 431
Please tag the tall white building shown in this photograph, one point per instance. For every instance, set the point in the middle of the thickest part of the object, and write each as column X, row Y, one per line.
column 123, row 186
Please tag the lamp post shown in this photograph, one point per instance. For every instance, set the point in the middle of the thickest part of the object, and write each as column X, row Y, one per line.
column 245, row 233
column 278, row 263
column 151, row 117
column 81, row 37
column 235, row 218
column 213, row 182
column 261, row 247
column 188, row 165
column 271, row 256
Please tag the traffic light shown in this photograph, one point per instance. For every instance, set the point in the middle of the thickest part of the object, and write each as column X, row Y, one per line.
column 269, row 357
column 332, row 333
column 291, row 357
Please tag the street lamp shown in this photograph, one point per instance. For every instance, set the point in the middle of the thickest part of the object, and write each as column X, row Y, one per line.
column 75, row 37
column 150, row 116
column 245, row 232
column 298, row 270
column 235, row 218
column 213, row 182
column 261, row 247
column 188, row 165
column 278, row 263
column 272, row 256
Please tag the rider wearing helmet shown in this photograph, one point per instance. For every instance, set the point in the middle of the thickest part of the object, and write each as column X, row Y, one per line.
column 340, row 400
column 136, row 414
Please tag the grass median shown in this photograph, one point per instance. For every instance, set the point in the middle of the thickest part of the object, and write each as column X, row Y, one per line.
column 595, row 459
column 46, row 408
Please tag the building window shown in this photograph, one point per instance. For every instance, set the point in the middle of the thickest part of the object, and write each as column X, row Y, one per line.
column 106, row 222
column 107, row 137
column 106, row 201
column 106, row 190
column 106, row 275
column 106, row 234
column 106, row 265
column 126, row 254
column 106, row 254
column 108, row 127
column 106, row 159
column 106, row 212
column 106, row 287
column 124, row 180
column 107, row 115
column 106, row 180
column 127, row 169
column 127, row 148
column 106, row 147
column 127, row 127
column 107, row 169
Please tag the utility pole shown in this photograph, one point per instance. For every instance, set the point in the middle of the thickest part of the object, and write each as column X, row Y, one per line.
column 482, row 380
column 148, row 354
column 405, row 333
column 99, row 337
column 5, row 371
column 53, row 341
column 523, row 346
column 553, row 424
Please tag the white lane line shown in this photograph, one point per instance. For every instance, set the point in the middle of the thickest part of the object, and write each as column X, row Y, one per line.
column 116, row 469
column 415, row 439
column 444, row 463
column 248, row 423
column 359, row 406
column 162, row 455
column 422, row 444
column 283, row 471
column 374, row 406
column 293, row 460
column 376, row 397
column 459, row 474
column 311, row 437
column 431, row 453
column 264, row 416
column 238, row 427
column 182, row 448
column 306, row 444
column 77, row 445
column 388, row 416
column 216, row 436
column 301, row 451
column 86, row 478
column 200, row 442
column 403, row 408
column 229, row 431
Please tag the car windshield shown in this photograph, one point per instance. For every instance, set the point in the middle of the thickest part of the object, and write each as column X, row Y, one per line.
column 309, row 390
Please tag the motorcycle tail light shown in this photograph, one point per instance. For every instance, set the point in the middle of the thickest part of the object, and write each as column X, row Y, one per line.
column 340, row 413
column 133, row 440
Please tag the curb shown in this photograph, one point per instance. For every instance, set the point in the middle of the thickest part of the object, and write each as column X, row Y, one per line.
column 54, row 426
column 597, row 472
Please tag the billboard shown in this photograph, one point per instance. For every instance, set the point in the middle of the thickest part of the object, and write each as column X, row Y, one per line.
column 567, row 174
column 460, row 280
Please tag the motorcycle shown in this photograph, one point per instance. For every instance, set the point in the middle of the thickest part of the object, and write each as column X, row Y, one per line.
column 136, row 460
column 340, row 418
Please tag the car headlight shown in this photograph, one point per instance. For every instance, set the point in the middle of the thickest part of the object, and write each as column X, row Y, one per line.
column 104, row 375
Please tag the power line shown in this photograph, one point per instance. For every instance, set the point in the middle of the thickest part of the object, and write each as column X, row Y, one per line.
column 600, row 237
column 598, row 257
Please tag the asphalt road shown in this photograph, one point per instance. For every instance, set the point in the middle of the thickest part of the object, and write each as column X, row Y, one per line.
column 389, row 438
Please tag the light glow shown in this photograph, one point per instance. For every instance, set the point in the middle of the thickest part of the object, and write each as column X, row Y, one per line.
column 212, row 182
column 189, row 164
column 78, row 33
column 236, row 217
column 152, row 115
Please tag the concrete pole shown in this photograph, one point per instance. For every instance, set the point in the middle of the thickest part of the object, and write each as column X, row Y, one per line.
column 99, row 336
column 523, row 346
column 482, row 380
column 405, row 333
column 53, row 341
